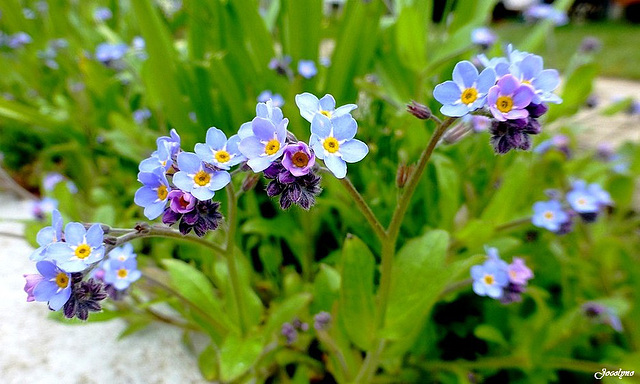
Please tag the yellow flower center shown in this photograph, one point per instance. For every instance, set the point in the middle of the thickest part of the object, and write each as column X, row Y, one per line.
column 272, row 147
column 488, row 279
column 326, row 113
column 202, row 178
column 300, row 159
column 548, row 215
column 162, row 192
column 83, row 251
column 122, row 273
column 223, row 156
column 331, row 144
column 513, row 274
column 469, row 95
column 62, row 280
column 581, row 201
column 504, row 104
column 526, row 82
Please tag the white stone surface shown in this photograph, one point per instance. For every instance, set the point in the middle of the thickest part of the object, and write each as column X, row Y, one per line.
column 34, row 349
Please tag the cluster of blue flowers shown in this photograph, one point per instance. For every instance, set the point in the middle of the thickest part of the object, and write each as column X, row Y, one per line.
column 499, row 280
column 15, row 41
column 512, row 91
column 65, row 258
column 584, row 200
column 265, row 146
column 112, row 54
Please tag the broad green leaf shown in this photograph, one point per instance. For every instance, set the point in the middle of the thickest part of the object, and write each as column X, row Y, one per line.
column 448, row 189
column 208, row 363
column 326, row 289
column 301, row 31
column 411, row 31
column 357, row 308
column 510, row 194
column 575, row 92
column 237, row 356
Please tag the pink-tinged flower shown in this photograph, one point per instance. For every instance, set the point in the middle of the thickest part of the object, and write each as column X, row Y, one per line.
column 298, row 159
column 32, row 281
column 518, row 272
column 181, row 201
column 508, row 99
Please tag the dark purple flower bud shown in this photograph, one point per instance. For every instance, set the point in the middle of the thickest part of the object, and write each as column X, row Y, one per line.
column 512, row 293
column 590, row 44
column 285, row 177
column 85, row 298
column 592, row 101
column 589, row 217
column 537, row 110
column 292, row 190
column 289, row 332
column 605, row 151
column 170, row 217
column 513, row 134
column 418, row 110
column 321, row 320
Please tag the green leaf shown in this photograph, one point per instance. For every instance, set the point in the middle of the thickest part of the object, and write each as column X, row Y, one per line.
column 490, row 333
column 411, row 31
column 194, row 286
column 576, row 90
column 208, row 363
column 326, row 289
column 357, row 306
column 134, row 326
column 237, row 356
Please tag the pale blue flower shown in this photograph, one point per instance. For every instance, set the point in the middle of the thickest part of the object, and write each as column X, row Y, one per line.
column 307, row 68
column 310, row 106
column 121, row 273
column 81, row 248
column 219, row 151
column 48, row 235
column 122, row 253
column 265, row 144
column 55, row 286
column 489, row 279
column 549, row 215
column 543, row 81
column 197, row 178
column 332, row 141
column 467, row 92
column 152, row 196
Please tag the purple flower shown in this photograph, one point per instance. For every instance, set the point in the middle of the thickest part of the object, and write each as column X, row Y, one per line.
column 559, row 142
column 281, row 66
column 152, row 196
column 32, row 281
column 108, row 53
column 321, row 320
column 81, row 248
column 102, row 14
column 543, row 81
column 141, row 115
column 298, row 159
column 289, row 332
column 483, row 37
column 48, row 235
column 467, row 92
column 55, row 286
column 181, row 201
column 333, row 142
column 276, row 98
column 197, row 178
column 546, row 12
column 489, row 279
column 265, row 144
column 549, row 215
column 307, row 68
column 44, row 206
column 310, row 106
column 508, row 99
column 219, row 151
column 121, row 274
column 17, row 40
column 518, row 272
column 122, row 253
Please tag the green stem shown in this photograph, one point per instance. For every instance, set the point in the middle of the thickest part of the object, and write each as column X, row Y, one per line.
column 513, row 224
column 364, row 208
column 414, row 179
column 229, row 252
column 155, row 231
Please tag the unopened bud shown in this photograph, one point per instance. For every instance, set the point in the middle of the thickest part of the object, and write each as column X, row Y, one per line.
column 110, row 240
column 419, row 110
column 404, row 171
column 142, row 227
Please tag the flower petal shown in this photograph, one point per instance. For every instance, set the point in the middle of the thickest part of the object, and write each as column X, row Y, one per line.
column 259, row 164
column 189, row 162
column 46, row 236
column 183, row 181
column 204, row 153
column 154, row 210
column 321, row 126
column 47, row 269
column 219, row 180
column 263, row 129
column 336, row 165
column 74, row 233
column 522, row 97
column 308, row 104
column 59, row 299
column 447, row 92
column 465, row 74
column 547, row 80
column 45, row 290
column 316, row 144
column 486, row 80
column 530, row 66
column 456, row 110
column 353, row 151
column 251, row 147
column 202, row 193
column 327, row 103
column 216, row 139
column 344, row 127
column 508, row 84
column 245, row 130
column 343, row 110
column 95, row 235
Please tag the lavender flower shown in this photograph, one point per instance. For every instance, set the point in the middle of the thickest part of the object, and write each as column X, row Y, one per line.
column 161, row 158
column 81, row 247
column 152, row 196
column 18, row 40
column 102, row 14
column 181, row 201
column 484, row 37
column 321, row 320
column 333, row 142
column 549, row 215
column 281, row 66
column 110, row 54
column 265, row 144
column 32, row 281
column 141, row 115
column 197, row 178
column 518, row 272
column 467, row 92
column 289, row 332
column 171, row 142
column 307, row 69
column 55, row 286
column 122, row 253
column 42, row 207
column 546, row 12
column 298, row 159
column 508, row 99
column 513, row 134
column 50, row 180
column 602, row 314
